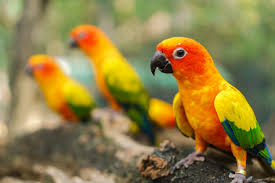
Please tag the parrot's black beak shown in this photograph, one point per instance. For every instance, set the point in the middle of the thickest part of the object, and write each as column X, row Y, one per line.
column 73, row 43
column 160, row 62
column 29, row 70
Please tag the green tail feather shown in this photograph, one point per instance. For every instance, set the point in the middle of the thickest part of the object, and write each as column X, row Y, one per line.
column 266, row 156
column 140, row 118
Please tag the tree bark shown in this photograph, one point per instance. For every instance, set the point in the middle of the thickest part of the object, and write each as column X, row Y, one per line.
column 24, row 45
column 95, row 153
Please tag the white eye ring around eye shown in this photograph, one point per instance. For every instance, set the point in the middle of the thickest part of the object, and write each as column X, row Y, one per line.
column 179, row 53
column 40, row 66
column 82, row 35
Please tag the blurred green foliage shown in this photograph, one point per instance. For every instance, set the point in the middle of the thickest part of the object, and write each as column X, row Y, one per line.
column 239, row 34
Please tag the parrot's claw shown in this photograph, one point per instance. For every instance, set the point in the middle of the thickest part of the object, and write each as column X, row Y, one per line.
column 239, row 178
column 189, row 160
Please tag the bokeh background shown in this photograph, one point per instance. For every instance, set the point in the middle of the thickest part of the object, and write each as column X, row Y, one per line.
column 239, row 34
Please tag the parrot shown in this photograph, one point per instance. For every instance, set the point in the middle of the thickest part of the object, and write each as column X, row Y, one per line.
column 208, row 108
column 67, row 97
column 118, row 81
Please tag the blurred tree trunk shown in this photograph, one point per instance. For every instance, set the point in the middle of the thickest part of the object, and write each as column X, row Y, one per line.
column 23, row 46
column 106, row 17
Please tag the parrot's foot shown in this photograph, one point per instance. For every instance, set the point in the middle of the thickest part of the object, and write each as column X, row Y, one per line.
column 189, row 160
column 239, row 178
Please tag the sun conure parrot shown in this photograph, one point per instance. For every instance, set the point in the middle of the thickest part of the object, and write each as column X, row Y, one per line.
column 207, row 107
column 118, row 80
column 67, row 97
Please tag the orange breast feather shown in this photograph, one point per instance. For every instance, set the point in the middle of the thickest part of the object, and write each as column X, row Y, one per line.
column 202, row 116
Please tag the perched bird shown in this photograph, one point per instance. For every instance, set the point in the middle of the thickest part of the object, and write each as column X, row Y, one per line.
column 63, row 95
column 207, row 107
column 115, row 77
column 118, row 80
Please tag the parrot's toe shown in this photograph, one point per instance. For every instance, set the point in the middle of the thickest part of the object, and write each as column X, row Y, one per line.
column 189, row 160
column 239, row 178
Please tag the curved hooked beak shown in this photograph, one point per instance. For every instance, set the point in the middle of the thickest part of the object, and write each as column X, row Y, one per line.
column 73, row 43
column 160, row 62
column 29, row 70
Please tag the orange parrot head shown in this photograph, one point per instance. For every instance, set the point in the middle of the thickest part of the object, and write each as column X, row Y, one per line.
column 41, row 67
column 86, row 37
column 183, row 57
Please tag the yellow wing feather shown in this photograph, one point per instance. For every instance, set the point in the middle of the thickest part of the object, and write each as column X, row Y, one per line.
column 230, row 104
column 76, row 94
column 124, row 82
column 180, row 116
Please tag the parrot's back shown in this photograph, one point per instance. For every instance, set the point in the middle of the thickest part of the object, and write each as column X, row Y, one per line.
column 128, row 91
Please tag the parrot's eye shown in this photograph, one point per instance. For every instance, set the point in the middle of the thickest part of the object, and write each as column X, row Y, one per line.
column 40, row 66
column 82, row 35
column 179, row 53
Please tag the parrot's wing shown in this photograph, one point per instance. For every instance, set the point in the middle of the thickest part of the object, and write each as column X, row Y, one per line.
column 78, row 98
column 181, row 120
column 125, row 85
column 238, row 120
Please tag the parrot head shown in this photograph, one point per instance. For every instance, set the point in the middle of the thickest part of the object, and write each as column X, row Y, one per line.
column 41, row 66
column 86, row 37
column 180, row 56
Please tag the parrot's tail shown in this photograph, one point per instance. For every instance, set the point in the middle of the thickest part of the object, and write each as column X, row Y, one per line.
column 86, row 119
column 141, row 119
column 147, row 128
column 265, row 154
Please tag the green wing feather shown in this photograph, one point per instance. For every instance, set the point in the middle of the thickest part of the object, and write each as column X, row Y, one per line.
column 181, row 120
column 124, row 84
column 238, row 119
column 79, row 99
column 126, row 87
